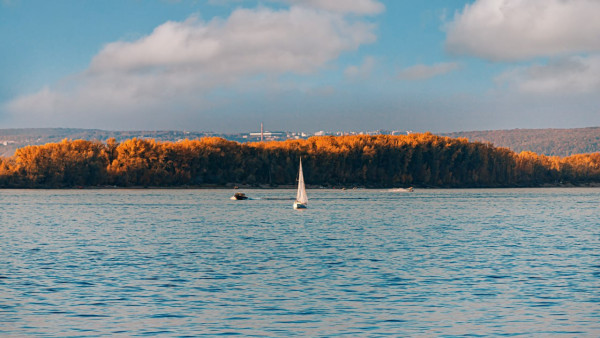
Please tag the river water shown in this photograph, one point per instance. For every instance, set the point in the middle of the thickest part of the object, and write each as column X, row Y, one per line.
column 105, row 263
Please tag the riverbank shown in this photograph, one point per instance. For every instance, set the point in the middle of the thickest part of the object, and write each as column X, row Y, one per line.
column 308, row 186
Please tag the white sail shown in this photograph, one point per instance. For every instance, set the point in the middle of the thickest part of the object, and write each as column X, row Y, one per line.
column 301, row 195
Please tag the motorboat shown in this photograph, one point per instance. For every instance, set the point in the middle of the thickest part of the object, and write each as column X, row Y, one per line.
column 239, row 196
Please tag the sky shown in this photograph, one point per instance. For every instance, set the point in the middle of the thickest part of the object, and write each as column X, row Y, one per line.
column 299, row 65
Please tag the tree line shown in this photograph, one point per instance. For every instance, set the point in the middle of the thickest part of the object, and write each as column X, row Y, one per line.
column 423, row 160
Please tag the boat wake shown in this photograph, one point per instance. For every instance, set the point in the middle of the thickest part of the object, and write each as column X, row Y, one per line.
column 400, row 190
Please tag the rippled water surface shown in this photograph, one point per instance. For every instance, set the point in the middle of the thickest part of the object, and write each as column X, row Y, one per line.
column 356, row 263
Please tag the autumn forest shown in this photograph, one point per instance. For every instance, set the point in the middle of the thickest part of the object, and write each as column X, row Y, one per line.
column 421, row 160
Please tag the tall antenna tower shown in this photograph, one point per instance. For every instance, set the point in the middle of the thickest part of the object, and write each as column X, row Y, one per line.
column 262, row 132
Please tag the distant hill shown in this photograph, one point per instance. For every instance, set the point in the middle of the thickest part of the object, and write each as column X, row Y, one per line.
column 551, row 142
column 11, row 139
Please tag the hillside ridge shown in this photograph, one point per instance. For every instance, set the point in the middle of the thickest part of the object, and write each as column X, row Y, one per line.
column 548, row 141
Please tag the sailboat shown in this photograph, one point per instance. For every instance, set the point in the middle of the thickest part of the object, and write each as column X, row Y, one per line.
column 301, row 198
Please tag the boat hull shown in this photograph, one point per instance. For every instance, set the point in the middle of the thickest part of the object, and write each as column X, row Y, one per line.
column 298, row 205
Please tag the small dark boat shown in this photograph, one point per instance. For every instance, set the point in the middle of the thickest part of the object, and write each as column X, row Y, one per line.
column 239, row 196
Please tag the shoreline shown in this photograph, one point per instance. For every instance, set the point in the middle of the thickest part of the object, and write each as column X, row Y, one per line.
column 293, row 187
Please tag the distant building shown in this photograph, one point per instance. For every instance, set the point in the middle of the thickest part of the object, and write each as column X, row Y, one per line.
column 268, row 135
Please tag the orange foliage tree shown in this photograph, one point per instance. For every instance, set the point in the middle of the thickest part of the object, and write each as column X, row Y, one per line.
column 424, row 160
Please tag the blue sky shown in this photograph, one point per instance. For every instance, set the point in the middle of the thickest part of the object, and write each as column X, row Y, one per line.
column 300, row 65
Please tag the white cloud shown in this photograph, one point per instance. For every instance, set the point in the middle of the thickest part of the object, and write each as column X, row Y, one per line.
column 9, row 2
column 422, row 72
column 509, row 30
column 572, row 75
column 359, row 7
column 362, row 71
column 180, row 62
column 342, row 6
column 250, row 41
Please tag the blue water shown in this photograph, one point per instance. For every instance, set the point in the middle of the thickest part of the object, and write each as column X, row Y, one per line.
column 99, row 263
